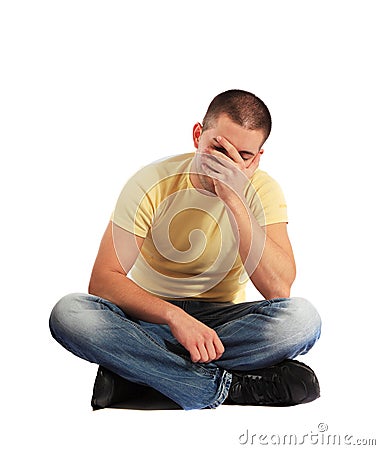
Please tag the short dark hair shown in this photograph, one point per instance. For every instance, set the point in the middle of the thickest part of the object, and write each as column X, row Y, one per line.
column 243, row 108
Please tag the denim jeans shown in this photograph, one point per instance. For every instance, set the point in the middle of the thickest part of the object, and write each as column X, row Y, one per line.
column 254, row 334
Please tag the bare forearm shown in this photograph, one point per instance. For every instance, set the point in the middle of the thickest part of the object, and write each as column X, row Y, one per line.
column 270, row 268
column 131, row 298
column 201, row 341
column 275, row 273
column 117, row 253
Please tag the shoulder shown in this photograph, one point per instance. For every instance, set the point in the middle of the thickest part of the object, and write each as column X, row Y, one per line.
column 171, row 165
column 163, row 170
column 146, row 189
column 262, row 180
column 158, row 179
column 266, row 199
column 266, row 187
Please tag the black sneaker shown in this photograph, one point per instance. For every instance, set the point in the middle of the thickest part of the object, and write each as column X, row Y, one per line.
column 285, row 384
column 110, row 388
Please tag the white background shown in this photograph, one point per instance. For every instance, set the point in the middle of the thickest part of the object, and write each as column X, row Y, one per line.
column 92, row 91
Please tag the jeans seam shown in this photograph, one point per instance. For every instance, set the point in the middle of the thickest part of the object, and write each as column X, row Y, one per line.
column 226, row 380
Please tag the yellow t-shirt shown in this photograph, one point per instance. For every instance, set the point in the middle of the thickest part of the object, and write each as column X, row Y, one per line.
column 189, row 251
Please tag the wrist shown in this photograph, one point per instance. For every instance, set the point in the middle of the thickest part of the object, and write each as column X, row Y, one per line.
column 235, row 202
column 172, row 314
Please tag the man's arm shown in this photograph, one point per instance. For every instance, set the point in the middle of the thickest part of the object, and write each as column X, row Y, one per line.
column 266, row 253
column 118, row 252
column 108, row 279
column 276, row 270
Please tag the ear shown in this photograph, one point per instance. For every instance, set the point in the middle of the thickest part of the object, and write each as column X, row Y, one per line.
column 197, row 131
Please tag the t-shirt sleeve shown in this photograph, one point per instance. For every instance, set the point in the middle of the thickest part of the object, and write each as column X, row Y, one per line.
column 267, row 201
column 134, row 208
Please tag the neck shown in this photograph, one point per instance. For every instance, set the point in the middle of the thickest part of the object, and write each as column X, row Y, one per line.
column 201, row 183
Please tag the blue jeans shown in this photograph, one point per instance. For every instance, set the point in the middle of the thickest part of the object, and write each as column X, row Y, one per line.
column 254, row 335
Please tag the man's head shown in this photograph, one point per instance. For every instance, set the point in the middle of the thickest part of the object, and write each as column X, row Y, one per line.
column 242, row 119
column 243, row 108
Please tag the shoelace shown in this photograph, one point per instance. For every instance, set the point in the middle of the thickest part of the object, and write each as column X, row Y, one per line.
column 264, row 390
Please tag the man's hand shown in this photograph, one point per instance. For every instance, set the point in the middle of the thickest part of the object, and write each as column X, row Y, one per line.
column 229, row 172
column 202, row 342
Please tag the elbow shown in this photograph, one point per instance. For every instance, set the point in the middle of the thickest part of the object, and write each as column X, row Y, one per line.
column 279, row 290
column 280, row 287
column 102, row 281
column 278, row 293
column 94, row 285
column 284, row 285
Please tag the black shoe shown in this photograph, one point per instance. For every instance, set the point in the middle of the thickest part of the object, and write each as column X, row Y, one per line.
column 109, row 388
column 285, row 384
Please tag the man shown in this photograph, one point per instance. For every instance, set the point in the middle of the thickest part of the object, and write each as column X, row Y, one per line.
column 190, row 231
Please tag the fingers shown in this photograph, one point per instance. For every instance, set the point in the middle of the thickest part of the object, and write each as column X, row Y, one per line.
column 210, row 351
column 195, row 354
column 218, row 161
column 198, row 339
column 214, row 164
column 234, row 156
column 253, row 165
column 255, row 161
column 207, row 350
column 219, row 347
column 231, row 150
column 205, row 354
column 228, row 179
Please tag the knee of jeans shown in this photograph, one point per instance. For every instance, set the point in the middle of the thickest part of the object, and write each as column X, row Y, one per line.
column 301, row 323
column 305, row 320
column 65, row 317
